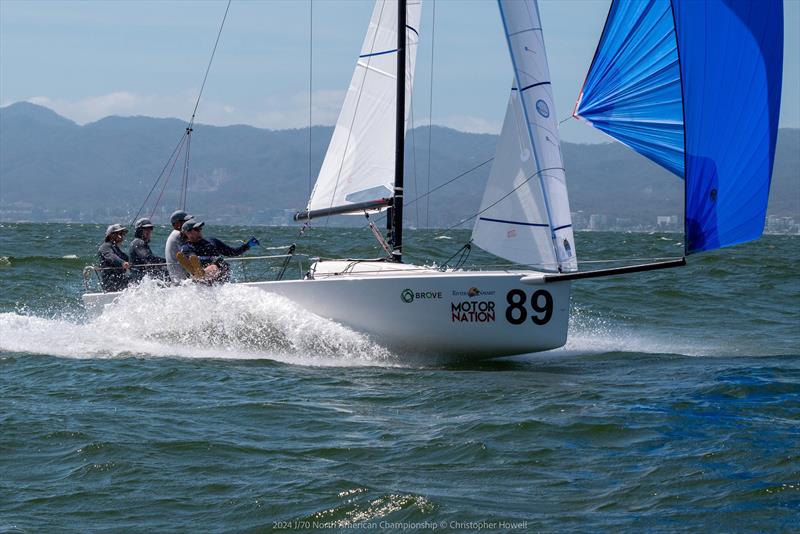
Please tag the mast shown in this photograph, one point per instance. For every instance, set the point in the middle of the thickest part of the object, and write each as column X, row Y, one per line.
column 395, row 216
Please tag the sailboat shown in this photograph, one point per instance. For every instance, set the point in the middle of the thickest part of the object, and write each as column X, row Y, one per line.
column 524, row 215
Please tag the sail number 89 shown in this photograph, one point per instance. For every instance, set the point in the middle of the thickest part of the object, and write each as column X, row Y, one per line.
column 541, row 304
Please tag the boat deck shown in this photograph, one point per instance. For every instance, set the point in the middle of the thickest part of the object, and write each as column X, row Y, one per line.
column 328, row 268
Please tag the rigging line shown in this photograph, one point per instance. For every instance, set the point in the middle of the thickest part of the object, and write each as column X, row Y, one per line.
column 450, row 181
column 463, row 251
column 377, row 233
column 186, row 169
column 565, row 120
column 164, row 187
column 430, row 122
column 355, row 112
column 414, row 156
column 527, row 115
column 631, row 259
column 175, row 151
column 303, row 229
column 208, row 68
column 528, row 179
column 310, row 86
column 183, row 193
column 184, row 136
column 307, row 224
column 516, row 266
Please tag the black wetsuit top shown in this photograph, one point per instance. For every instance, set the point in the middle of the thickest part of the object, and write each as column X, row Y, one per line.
column 141, row 254
column 210, row 251
column 113, row 277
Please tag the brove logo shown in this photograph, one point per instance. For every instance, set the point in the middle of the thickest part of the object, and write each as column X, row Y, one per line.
column 409, row 296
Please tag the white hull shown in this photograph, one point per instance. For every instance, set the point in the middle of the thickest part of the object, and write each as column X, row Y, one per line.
column 424, row 312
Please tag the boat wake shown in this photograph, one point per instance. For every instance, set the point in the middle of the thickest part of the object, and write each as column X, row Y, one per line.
column 228, row 323
column 590, row 334
column 195, row 322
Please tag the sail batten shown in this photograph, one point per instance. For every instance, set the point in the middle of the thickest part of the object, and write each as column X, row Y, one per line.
column 377, row 54
column 522, row 223
column 695, row 87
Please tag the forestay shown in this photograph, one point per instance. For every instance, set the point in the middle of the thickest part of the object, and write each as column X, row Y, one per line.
column 359, row 164
column 695, row 86
column 525, row 214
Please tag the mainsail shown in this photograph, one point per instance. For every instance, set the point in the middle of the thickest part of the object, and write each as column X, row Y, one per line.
column 359, row 164
column 524, row 215
column 695, row 87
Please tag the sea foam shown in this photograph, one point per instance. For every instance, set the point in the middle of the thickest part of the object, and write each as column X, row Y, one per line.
column 234, row 322
column 230, row 322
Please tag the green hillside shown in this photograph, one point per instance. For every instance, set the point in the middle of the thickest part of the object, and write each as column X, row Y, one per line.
column 54, row 169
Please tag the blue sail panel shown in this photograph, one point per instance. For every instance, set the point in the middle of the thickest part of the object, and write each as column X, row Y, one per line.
column 731, row 54
column 695, row 86
column 633, row 89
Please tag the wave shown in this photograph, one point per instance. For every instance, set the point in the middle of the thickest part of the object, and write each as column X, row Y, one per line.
column 227, row 322
column 591, row 334
column 195, row 322
column 47, row 261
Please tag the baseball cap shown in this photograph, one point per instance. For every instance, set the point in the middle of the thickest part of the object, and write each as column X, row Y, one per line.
column 114, row 228
column 143, row 223
column 191, row 225
column 179, row 215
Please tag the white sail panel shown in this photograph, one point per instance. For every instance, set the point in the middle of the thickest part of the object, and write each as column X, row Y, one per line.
column 513, row 220
column 359, row 164
column 526, row 45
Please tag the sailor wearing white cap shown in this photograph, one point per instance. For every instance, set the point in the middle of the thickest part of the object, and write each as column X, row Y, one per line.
column 174, row 243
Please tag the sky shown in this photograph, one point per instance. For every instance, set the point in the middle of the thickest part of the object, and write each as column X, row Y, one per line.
column 90, row 59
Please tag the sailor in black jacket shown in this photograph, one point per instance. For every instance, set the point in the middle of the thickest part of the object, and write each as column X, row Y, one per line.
column 113, row 262
column 143, row 261
column 210, row 251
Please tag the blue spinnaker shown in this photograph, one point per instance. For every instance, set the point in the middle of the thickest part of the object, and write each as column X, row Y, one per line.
column 695, row 86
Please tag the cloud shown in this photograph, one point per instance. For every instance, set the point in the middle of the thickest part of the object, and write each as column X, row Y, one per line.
column 96, row 107
column 276, row 113
column 292, row 111
column 466, row 123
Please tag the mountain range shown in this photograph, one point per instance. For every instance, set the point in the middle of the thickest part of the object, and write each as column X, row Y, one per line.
column 54, row 169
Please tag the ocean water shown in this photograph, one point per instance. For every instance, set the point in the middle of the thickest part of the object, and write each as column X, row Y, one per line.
column 674, row 406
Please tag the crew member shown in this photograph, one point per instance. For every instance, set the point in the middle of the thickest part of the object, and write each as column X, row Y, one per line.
column 175, row 241
column 143, row 261
column 113, row 262
column 210, row 251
